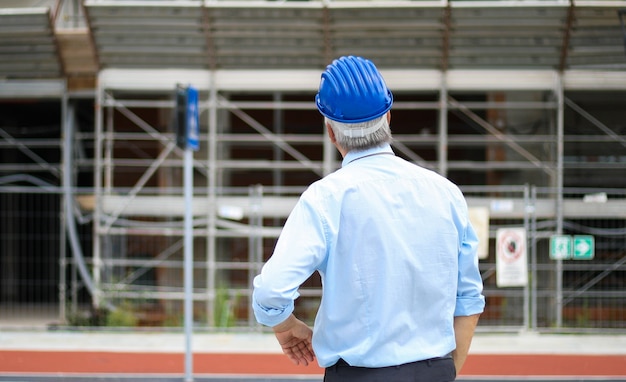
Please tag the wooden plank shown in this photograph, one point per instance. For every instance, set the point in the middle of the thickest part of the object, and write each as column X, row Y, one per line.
column 77, row 52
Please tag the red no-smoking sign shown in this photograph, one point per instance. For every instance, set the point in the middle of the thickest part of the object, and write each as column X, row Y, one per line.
column 511, row 245
column 511, row 257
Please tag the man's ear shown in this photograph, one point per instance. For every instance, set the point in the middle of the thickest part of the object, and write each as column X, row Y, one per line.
column 331, row 133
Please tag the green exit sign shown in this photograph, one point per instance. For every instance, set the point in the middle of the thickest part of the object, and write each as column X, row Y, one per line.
column 560, row 247
column 566, row 247
column 584, row 247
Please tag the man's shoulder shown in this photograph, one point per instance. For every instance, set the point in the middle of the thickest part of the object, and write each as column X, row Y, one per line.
column 324, row 185
column 431, row 176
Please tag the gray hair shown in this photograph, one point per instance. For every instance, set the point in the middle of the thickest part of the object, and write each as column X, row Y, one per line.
column 362, row 135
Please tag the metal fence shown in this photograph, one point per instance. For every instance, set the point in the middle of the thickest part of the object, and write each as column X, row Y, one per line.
column 578, row 293
column 30, row 247
column 142, row 274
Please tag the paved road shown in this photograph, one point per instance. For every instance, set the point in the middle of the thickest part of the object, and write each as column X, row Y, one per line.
column 40, row 378
column 42, row 356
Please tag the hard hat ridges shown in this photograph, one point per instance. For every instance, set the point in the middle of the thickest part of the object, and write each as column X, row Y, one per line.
column 352, row 90
column 354, row 75
column 339, row 79
column 368, row 78
column 376, row 82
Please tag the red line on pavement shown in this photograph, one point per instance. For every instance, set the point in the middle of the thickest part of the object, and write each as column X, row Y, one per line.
column 60, row 362
column 149, row 363
column 545, row 364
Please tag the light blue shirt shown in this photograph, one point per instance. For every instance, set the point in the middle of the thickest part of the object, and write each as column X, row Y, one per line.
column 397, row 257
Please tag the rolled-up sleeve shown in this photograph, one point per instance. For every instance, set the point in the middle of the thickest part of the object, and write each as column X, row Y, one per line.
column 270, row 307
column 469, row 298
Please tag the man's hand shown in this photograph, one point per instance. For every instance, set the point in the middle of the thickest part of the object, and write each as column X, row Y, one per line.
column 294, row 337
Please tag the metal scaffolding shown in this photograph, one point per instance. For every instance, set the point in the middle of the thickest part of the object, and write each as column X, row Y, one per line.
column 490, row 94
column 238, row 136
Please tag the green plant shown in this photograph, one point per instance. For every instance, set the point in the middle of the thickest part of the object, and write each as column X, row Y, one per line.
column 583, row 318
column 123, row 315
column 224, row 313
column 173, row 320
column 89, row 317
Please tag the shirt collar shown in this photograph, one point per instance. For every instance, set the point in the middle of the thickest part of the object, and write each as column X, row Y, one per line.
column 357, row 154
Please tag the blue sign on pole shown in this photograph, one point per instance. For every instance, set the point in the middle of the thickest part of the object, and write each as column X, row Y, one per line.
column 193, row 130
column 186, row 119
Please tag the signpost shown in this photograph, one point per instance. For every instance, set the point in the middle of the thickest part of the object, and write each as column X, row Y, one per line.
column 186, row 126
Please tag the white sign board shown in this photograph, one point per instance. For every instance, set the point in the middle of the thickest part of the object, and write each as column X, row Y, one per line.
column 479, row 217
column 511, row 257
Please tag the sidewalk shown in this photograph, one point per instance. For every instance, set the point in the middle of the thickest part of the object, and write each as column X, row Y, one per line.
column 483, row 343
column 524, row 354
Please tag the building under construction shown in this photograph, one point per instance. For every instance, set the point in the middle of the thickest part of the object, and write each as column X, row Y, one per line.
column 521, row 103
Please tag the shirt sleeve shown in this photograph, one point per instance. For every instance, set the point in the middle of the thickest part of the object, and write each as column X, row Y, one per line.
column 299, row 250
column 469, row 298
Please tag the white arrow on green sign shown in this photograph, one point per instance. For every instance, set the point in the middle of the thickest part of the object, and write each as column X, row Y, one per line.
column 584, row 247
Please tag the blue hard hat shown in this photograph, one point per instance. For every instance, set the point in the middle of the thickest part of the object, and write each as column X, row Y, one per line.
column 352, row 90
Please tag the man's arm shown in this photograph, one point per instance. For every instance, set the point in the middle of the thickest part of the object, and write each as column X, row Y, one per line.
column 464, row 327
column 294, row 337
